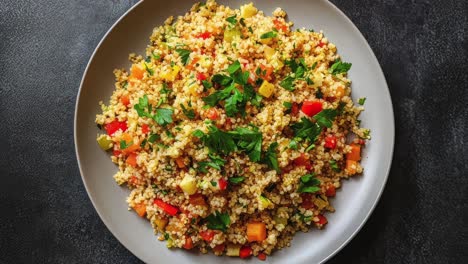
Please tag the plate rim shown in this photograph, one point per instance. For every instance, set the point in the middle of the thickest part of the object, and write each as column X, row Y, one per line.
column 379, row 71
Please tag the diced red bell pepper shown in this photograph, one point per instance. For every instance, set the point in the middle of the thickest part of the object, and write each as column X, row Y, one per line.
column 311, row 108
column 169, row 209
column 201, row 76
column 144, row 129
column 303, row 161
column 207, row 235
column 222, row 184
column 115, row 125
column 330, row 141
column 132, row 160
column 116, row 152
column 321, row 44
column 322, row 220
column 331, row 191
column 307, row 201
column 262, row 256
column 245, row 252
column 212, row 114
column 294, row 109
column 204, row 35
column 280, row 25
column 219, row 248
column 188, row 243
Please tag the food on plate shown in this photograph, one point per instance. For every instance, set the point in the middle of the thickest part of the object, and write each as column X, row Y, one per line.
column 234, row 131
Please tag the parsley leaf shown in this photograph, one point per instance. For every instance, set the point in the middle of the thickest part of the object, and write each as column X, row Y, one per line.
column 184, row 55
column 234, row 67
column 232, row 102
column 248, row 140
column 163, row 116
column 153, row 138
column 340, row 67
column 309, row 184
column 362, row 100
column 288, row 105
column 325, row 117
column 268, row 35
column 218, row 221
column 217, row 141
column 124, row 144
column 288, row 83
column 215, row 162
column 334, row 165
column 189, row 113
column 306, row 129
column 236, row 180
column 270, row 158
column 232, row 20
column 149, row 70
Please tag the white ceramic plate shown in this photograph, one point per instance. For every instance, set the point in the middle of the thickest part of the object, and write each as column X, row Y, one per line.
column 354, row 202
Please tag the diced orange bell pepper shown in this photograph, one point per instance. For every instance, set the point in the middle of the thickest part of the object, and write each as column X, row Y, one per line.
column 140, row 209
column 188, row 243
column 125, row 100
column 132, row 160
column 256, row 231
column 355, row 153
column 180, row 162
column 351, row 166
column 197, row 199
column 137, row 72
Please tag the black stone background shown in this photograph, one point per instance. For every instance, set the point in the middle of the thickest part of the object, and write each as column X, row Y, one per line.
column 46, row 216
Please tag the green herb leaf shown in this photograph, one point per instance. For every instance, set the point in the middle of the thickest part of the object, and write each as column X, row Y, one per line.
column 288, row 83
column 184, row 55
column 270, row 158
column 218, row 221
column 334, row 165
column 234, row 67
column 207, row 84
column 326, row 117
column 236, row 180
column 242, row 22
column 293, row 144
column 189, row 113
column 288, row 105
column 124, row 145
column 271, row 34
column 306, row 129
column 340, row 67
column 309, row 184
column 149, row 70
column 152, row 138
column 232, row 20
column 218, row 141
column 362, row 100
column 248, row 140
column 163, row 116
column 215, row 162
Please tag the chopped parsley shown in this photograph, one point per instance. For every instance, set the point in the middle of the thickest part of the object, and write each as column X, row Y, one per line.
column 271, row 34
column 362, row 100
column 306, row 129
column 189, row 113
column 215, row 162
column 232, row 20
column 299, row 71
column 236, row 180
column 124, row 144
column 340, row 67
column 148, row 69
column 334, row 165
column 288, row 105
column 248, row 140
column 152, row 138
column 325, row 117
column 270, row 158
column 184, row 55
column 293, row 144
column 218, row 221
column 309, row 184
column 162, row 116
column 216, row 140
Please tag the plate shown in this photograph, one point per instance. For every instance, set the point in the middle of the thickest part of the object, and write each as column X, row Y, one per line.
column 354, row 202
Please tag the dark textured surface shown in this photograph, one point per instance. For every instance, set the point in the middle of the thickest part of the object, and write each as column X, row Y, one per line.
column 46, row 214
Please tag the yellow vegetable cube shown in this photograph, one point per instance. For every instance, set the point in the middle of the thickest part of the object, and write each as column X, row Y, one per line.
column 266, row 89
column 269, row 53
column 188, row 185
column 248, row 10
column 231, row 34
column 321, row 201
column 160, row 223
column 172, row 74
column 233, row 250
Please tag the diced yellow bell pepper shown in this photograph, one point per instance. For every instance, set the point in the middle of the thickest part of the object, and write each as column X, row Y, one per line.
column 160, row 223
column 105, row 142
column 171, row 74
column 233, row 250
column 188, row 185
column 266, row 89
column 269, row 53
column 248, row 10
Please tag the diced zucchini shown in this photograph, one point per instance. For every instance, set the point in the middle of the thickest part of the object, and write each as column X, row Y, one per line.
column 169, row 243
column 105, row 142
column 266, row 89
column 233, row 250
column 248, row 10
column 188, row 185
column 231, row 34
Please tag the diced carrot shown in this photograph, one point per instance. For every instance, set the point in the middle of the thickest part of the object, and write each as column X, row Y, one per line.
column 219, row 248
column 137, row 71
column 197, row 199
column 180, row 162
column 351, row 166
column 125, row 100
column 140, row 209
column 188, row 243
column 279, row 25
column 262, row 256
column 355, row 153
column 256, row 231
column 191, row 66
column 133, row 180
column 132, row 160
column 128, row 139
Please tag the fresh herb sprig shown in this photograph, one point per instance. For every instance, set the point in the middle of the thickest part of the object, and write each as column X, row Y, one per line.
column 162, row 116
